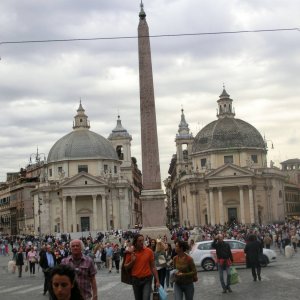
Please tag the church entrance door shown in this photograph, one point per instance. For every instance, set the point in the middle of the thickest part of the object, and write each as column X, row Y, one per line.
column 232, row 215
column 85, row 223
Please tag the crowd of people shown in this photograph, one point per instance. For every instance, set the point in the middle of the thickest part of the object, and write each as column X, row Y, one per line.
column 72, row 264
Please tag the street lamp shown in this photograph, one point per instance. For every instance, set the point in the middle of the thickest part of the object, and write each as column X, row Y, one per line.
column 36, row 161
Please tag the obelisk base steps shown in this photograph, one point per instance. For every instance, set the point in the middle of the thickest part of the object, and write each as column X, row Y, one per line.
column 154, row 214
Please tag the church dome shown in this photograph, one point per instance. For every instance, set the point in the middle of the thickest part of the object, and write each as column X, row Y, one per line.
column 227, row 132
column 81, row 143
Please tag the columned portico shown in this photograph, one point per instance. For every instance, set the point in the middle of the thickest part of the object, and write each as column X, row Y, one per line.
column 242, row 204
column 207, row 206
column 221, row 206
column 74, row 223
column 104, row 222
column 95, row 212
column 251, row 204
column 212, row 207
column 64, row 214
column 195, row 208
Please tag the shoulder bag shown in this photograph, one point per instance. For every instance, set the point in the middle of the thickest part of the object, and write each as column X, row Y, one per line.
column 125, row 273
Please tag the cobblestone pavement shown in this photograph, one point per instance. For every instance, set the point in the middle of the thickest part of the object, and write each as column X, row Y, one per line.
column 279, row 281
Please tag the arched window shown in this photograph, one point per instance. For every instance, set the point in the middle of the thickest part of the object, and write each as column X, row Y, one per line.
column 120, row 152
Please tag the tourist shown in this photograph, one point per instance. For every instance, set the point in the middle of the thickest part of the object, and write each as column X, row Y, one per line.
column 186, row 272
column 47, row 263
column 63, row 284
column 84, row 268
column 224, row 261
column 253, row 251
column 20, row 261
column 140, row 262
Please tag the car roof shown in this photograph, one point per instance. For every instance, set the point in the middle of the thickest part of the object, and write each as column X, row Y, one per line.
column 225, row 240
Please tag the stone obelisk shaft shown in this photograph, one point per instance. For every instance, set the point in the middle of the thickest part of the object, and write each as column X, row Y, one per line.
column 150, row 154
column 152, row 196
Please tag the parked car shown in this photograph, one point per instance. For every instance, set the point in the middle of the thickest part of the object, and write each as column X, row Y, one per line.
column 205, row 256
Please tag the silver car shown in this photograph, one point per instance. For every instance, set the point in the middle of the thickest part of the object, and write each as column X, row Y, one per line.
column 205, row 256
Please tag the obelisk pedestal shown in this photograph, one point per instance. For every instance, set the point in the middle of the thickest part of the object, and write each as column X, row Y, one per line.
column 154, row 214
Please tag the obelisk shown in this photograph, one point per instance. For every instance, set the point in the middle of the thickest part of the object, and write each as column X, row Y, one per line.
column 153, row 197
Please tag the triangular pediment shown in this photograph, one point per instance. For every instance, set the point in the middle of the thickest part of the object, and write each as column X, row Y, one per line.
column 229, row 170
column 83, row 179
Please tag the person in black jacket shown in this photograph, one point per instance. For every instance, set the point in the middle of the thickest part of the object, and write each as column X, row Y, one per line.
column 224, row 261
column 20, row 261
column 47, row 263
column 253, row 250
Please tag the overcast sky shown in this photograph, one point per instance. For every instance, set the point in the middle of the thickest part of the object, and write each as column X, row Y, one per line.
column 41, row 83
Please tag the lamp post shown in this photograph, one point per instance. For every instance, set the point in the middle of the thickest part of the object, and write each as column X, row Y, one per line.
column 36, row 161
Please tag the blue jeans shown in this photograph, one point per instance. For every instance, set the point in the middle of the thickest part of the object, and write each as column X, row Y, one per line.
column 143, row 291
column 168, row 283
column 221, row 276
column 183, row 289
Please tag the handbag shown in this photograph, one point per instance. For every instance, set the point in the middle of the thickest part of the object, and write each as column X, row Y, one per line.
column 155, row 295
column 234, row 276
column 26, row 268
column 125, row 273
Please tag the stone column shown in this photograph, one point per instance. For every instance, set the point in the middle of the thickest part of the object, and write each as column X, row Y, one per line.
column 212, row 207
column 95, row 225
column 104, row 223
column 207, row 206
column 74, row 214
column 180, row 209
column 64, row 213
column 251, row 205
column 221, row 207
column 242, row 205
column 195, row 208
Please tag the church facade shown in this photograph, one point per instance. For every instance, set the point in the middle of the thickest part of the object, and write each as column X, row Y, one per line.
column 89, row 183
column 221, row 175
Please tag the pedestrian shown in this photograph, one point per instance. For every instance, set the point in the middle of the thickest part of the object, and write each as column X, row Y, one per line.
column 63, row 284
column 295, row 240
column 109, row 256
column 47, row 263
column 186, row 272
column 140, row 262
column 169, row 267
column 253, row 250
column 192, row 245
column 224, row 261
column 85, row 270
column 117, row 257
column 160, row 261
column 20, row 261
column 32, row 260
column 268, row 241
column 97, row 255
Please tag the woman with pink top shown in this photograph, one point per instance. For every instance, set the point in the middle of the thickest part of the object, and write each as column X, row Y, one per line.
column 32, row 259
